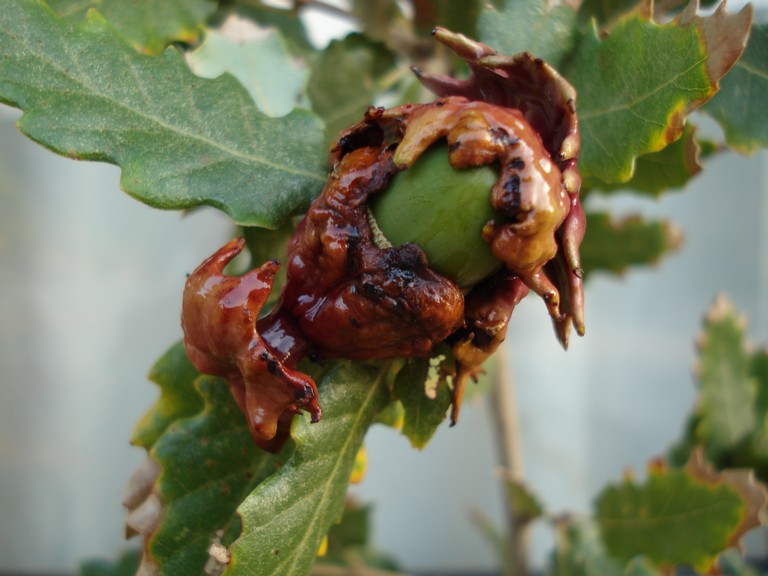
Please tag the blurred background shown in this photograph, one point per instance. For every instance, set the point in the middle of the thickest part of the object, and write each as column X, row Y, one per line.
column 90, row 287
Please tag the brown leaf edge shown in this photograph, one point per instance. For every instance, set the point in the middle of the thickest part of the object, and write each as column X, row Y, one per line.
column 753, row 493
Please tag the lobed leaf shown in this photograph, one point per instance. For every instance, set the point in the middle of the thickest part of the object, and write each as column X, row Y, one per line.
column 546, row 30
column 179, row 398
column 263, row 65
column 286, row 517
column 180, row 140
column 613, row 246
column 669, row 168
column 345, row 80
column 148, row 25
column 739, row 106
column 202, row 462
column 730, row 422
column 422, row 414
column 678, row 517
column 636, row 86
column 727, row 388
column 753, row 494
column 208, row 465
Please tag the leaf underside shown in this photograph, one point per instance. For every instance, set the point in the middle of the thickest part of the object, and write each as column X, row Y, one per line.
column 726, row 386
column 198, row 438
column 730, row 421
column 211, row 472
column 181, row 140
column 286, row 517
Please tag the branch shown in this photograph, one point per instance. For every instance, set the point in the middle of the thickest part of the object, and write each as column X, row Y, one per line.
column 504, row 412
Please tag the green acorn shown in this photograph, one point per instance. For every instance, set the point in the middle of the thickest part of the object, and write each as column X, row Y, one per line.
column 442, row 210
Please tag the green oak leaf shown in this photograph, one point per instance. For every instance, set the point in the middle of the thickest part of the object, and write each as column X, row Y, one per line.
column 739, row 106
column 208, row 465
column 149, row 25
column 636, row 86
column 181, row 140
column 179, row 398
column 286, row 517
column 613, row 246
column 727, row 388
column 205, row 464
column 264, row 66
column 422, row 414
column 679, row 517
column 546, row 30
column 658, row 172
column 345, row 80
column 730, row 422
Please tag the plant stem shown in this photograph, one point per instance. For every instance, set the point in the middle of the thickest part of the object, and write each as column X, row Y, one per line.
column 505, row 417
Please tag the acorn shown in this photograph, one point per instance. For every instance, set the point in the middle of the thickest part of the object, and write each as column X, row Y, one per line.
column 443, row 210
